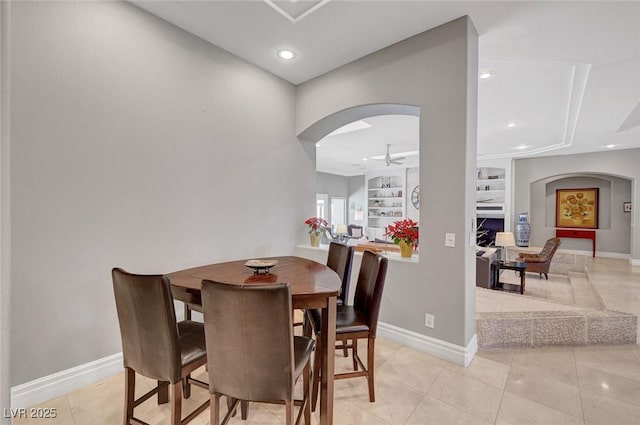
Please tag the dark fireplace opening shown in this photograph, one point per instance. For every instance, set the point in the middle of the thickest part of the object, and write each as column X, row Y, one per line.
column 486, row 231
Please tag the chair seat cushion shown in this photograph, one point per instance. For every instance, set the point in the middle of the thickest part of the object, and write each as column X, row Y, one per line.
column 302, row 348
column 191, row 339
column 533, row 258
column 348, row 320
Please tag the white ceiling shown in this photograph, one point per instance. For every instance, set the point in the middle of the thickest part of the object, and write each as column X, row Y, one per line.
column 568, row 73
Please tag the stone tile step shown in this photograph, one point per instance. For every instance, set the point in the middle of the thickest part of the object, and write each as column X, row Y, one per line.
column 541, row 328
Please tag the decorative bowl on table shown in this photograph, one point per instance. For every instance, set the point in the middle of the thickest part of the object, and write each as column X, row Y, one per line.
column 261, row 266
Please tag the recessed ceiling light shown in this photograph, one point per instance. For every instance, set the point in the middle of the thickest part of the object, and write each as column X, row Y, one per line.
column 364, row 159
column 286, row 54
column 521, row 147
column 486, row 74
column 512, row 124
column 610, row 146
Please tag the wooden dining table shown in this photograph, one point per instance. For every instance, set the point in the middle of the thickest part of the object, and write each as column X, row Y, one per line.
column 313, row 285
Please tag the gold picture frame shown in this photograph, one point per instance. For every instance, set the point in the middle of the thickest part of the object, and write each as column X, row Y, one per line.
column 577, row 208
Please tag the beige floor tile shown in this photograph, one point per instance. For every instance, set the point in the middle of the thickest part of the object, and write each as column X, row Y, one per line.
column 346, row 413
column 549, row 392
column 484, row 370
column 548, row 363
column 412, row 371
column 394, row 401
column 474, row 397
column 504, row 355
column 609, row 385
column 606, row 411
column 106, row 411
column 52, row 412
column 387, row 343
column 352, row 389
column 108, row 388
column 516, row 410
column 422, row 356
column 635, row 349
column 617, row 360
column 432, row 411
column 259, row 414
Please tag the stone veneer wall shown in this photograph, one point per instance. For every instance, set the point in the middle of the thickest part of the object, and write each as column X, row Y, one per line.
column 540, row 328
column 562, row 262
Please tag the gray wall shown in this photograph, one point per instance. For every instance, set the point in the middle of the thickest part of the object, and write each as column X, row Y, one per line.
column 335, row 186
column 5, row 228
column 437, row 72
column 332, row 184
column 134, row 144
column 617, row 172
column 357, row 199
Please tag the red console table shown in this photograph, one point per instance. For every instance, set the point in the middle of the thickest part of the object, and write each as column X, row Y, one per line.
column 578, row 234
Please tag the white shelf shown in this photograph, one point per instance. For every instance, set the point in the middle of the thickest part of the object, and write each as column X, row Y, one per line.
column 478, row 192
column 490, row 202
column 489, row 180
column 385, row 217
column 386, row 188
column 388, row 200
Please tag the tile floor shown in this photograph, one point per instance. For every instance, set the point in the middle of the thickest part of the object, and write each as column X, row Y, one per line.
column 545, row 386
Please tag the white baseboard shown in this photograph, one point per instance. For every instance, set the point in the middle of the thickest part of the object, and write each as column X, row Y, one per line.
column 436, row 347
column 57, row 384
column 616, row 255
column 634, row 262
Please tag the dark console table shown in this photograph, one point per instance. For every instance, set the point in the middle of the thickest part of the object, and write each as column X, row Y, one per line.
column 578, row 234
column 510, row 265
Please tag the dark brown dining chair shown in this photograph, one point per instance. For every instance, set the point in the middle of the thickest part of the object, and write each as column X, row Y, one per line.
column 254, row 355
column 154, row 345
column 339, row 259
column 356, row 322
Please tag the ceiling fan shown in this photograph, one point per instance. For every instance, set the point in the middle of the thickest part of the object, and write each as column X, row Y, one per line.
column 388, row 160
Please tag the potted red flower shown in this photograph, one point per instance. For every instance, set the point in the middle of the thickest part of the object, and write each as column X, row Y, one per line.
column 405, row 233
column 317, row 226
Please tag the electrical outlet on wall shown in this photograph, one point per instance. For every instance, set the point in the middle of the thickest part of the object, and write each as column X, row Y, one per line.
column 429, row 320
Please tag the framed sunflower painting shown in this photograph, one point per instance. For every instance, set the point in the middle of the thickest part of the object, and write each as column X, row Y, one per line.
column 577, row 208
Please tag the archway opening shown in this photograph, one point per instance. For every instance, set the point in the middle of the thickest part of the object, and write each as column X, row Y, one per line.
column 372, row 164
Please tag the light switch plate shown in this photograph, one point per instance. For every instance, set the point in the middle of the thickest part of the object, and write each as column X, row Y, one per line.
column 450, row 239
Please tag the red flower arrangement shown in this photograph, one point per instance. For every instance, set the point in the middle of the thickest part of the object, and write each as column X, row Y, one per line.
column 316, row 225
column 404, row 230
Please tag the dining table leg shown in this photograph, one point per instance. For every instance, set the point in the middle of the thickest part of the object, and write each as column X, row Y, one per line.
column 328, row 343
